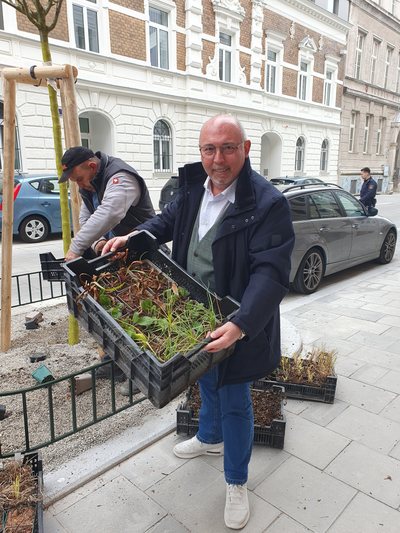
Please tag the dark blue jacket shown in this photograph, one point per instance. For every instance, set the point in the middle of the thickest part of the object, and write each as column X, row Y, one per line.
column 251, row 255
column 368, row 192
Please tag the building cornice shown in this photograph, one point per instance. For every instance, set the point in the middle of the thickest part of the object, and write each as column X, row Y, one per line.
column 314, row 11
column 347, row 91
column 377, row 12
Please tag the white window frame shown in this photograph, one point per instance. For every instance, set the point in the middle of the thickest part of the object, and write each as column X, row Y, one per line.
column 398, row 74
column 87, row 5
column 379, row 135
column 17, row 152
column 274, row 42
column 225, row 57
column 86, row 138
column 352, row 130
column 323, row 162
column 161, row 140
column 299, row 156
column 271, row 66
column 389, row 54
column 304, row 80
column 359, row 53
column 374, row 57
column 367, row 127
column 160, row 29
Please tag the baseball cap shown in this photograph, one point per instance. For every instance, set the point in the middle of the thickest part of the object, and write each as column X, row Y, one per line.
column 72, row 157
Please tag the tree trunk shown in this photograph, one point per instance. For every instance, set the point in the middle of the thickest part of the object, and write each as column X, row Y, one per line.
column 73, row 330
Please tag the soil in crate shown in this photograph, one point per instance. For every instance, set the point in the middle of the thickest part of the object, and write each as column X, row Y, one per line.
column 310, row 378
column 269, row 422
column 20, row 495
column 160, row 379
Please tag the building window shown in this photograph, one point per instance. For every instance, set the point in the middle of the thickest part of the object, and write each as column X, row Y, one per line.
column 398, row 75
column 84, row 126
column 352, row 131
column 389, row 52
column 17, row 157
column 303, row 80
column 1, row 16
column 159, row 37
column 359, row 52
column 162, row 144
column 271, row 71
column 225, row 57
column 379, row 135
column 366, row 133
column 374, row 58
column 323, row 164
column 299, row 156
column 86, row 26
column 328, row 87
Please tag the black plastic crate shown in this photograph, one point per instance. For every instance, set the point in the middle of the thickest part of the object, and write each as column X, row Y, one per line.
column 319, row 393
column 160, row 382
column 272, row 436
column 35, row 460
column 52, row 269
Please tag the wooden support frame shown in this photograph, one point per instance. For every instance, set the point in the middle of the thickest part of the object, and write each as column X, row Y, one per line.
column 36, row 75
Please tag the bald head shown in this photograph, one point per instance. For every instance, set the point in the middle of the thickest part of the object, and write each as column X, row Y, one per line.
column 223, row 121
column 224, row 148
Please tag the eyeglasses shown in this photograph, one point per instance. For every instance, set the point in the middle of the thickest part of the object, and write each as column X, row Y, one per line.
column 209, row 150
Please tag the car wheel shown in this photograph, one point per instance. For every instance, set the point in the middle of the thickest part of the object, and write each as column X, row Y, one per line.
column 310, row 272
column 388, row 248
column 34, row 229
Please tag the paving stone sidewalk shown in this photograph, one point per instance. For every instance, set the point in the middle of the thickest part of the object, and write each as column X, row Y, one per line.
column 339, row 471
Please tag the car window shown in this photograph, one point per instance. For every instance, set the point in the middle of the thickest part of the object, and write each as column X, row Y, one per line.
column 351, row 205
column 49, row 186
column 298, row 207
column 325, row 204
column 35, row 184
column 1, row 184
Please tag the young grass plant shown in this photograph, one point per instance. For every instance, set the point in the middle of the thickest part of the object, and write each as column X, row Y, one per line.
column 157, row 314
column 313, row 368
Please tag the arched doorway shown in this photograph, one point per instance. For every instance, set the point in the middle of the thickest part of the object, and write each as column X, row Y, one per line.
column 271, row 152
column 96, row 132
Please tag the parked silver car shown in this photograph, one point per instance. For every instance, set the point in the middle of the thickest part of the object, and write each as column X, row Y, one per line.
column 333, row 232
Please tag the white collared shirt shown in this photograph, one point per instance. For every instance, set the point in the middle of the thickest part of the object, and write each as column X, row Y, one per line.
column 212, row 206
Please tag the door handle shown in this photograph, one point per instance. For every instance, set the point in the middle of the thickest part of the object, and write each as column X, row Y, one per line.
column 355, row 226
column 45, row 204
column 323, row 228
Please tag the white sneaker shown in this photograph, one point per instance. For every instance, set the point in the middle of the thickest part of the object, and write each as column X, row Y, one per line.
column 237, row 512
column 193, row 447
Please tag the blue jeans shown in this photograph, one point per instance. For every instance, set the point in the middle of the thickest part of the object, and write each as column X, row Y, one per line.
column 226, row 414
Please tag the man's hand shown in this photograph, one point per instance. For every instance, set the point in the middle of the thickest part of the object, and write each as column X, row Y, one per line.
column 224, row 336
column 71, row 255
column 99, row 246
column 115, row 243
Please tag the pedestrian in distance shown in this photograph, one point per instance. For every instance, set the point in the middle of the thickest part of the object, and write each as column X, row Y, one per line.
column 115, row 199
column 368, row 190
column 231, row 230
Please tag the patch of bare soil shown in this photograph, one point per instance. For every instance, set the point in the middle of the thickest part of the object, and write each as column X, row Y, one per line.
column 51, row 338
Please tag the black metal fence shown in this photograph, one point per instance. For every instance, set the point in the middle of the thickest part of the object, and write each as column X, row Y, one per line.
column 54, row 408
column 31, row 288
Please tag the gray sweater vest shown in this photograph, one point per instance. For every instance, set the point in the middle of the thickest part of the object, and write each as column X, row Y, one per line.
column 199, row 258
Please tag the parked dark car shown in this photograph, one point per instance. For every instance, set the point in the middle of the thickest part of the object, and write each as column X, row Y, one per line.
column 333, row 232
column 168, row 192
column 36, row 206
column 295, row 180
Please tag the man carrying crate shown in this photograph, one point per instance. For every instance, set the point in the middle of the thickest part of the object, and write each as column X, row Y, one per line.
column 231, row 230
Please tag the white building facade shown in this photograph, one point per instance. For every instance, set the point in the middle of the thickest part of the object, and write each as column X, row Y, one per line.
column 150, row 74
